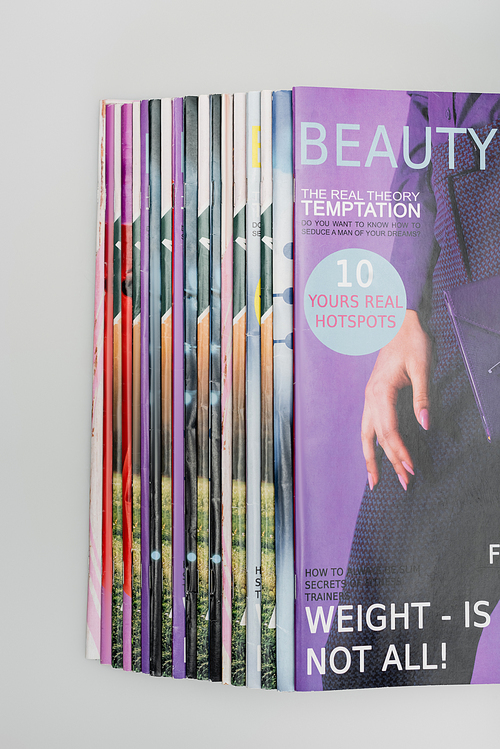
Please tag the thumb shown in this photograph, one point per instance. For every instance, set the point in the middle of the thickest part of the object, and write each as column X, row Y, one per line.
column 420, row 384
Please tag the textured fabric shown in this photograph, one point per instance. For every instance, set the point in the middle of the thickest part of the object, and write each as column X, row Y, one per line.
column 429, row 544
column 414, row 257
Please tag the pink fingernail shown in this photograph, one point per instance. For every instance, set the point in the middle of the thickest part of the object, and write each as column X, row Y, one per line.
column 402, row 482
column 424, row 418
column 370, row 481
column 408, row 467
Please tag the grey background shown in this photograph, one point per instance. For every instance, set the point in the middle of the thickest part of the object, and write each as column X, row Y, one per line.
column 58, row 60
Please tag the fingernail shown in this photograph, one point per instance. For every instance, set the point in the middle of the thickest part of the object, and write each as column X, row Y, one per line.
column 408, row 467
column 424, row 418
column 370, row 481
column 402, row 482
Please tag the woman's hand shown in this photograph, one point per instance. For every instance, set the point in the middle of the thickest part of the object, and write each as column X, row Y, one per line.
column 404, row 361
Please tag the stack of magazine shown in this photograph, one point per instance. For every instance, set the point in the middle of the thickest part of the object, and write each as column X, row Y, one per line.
column 295, row 451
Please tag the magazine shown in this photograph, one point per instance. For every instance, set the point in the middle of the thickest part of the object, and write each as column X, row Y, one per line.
column 396, row 485
column 238, row 550
column 253, row 404
column 268, row 556
column 166, row 380
column 136, row 386
column 145, row 514
column 107, row 416
column 370, row 556
column 155, row 475
column 215, row 425
column 283, row 384
column 178, row 567
column 226, row 375
column 190, row 372
column 126, row 367
column 93, row 638
column 203, row 351
column 117, row 538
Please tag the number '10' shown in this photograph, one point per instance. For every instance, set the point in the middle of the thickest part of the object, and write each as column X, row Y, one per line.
column 363, row 284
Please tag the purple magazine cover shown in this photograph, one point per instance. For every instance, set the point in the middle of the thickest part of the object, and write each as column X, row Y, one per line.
column 178, row 612
column 145, row 551
column 396, row 483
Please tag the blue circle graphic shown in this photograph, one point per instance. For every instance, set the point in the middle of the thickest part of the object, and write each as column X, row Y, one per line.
column 354, row 301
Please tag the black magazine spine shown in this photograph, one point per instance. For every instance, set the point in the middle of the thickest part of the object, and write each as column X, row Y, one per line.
column 191, row 373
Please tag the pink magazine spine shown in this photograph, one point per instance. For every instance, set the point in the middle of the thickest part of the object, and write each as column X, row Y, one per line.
column 93, row 637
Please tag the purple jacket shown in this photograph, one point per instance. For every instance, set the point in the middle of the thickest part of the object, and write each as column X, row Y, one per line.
column 415, row 257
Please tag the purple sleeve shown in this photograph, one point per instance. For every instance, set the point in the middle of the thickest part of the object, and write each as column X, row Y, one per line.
column 414, row 257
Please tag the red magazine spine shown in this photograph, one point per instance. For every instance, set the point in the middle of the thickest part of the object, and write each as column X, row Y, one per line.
column 107, row 483
column 126, row 299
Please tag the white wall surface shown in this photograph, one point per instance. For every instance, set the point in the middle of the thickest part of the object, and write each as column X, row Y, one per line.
column 58, row 59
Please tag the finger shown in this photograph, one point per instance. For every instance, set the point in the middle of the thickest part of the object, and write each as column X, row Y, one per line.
column 368, row 443
column 389, row 437
column 420, row 383
column 398, row 455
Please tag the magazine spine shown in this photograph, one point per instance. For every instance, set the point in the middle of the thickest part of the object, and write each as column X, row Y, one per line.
column 117, row 611
column 238, row 557
column 253, row 401
column 283, row 383
column 166, row 380
column 94, row 587
column 107, row 477
column 136, row 386
column 155, row 388
column 126, row 363
column 268, row 569
column 178, row 592
column 145, row 530
column 226, row 375
column 203, row 350
column 190, row 372
column 215, row 540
